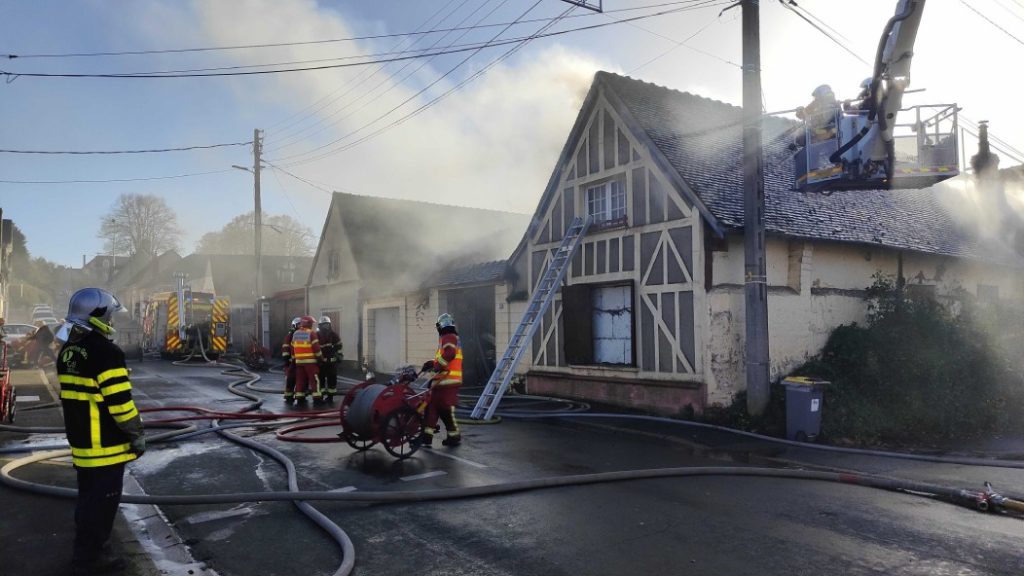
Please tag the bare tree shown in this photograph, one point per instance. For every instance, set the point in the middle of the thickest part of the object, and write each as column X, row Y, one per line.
column 140, row 224
column 282, row 236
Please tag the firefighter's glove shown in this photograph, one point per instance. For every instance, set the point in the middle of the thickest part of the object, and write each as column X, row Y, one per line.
column 428, row 365
column 139, row 445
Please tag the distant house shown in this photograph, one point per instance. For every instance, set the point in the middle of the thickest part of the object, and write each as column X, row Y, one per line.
column 651, row 314
column 375, row 251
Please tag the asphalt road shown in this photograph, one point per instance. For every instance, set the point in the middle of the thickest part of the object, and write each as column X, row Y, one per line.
column 710, row 525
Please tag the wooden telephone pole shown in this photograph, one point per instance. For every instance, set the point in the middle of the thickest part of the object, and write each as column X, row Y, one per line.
column 755, row 275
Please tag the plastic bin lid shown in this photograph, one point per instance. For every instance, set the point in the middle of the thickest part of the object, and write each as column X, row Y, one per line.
column 803, row 381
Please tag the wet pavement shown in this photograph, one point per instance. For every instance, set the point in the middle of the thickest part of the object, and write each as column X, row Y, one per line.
column 705, row 525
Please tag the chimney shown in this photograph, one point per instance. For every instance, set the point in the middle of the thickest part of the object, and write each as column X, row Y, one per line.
column 984, row 163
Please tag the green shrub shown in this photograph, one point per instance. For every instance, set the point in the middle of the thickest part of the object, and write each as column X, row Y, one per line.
column 918, row 373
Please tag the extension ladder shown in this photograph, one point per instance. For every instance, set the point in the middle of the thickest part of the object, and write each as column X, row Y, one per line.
column 541, row 299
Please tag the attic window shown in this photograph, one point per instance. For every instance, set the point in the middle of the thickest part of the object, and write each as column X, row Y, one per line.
column 334, row 265
column 606, row 203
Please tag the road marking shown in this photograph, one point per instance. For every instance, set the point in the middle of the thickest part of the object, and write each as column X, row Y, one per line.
column 422, row 476
column 217, row 515
column 27, row 399
column 48, row 384
column 345, row 489
column 454, row 457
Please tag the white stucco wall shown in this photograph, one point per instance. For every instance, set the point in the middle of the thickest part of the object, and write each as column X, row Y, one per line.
column 343, row 297
column 814, row 287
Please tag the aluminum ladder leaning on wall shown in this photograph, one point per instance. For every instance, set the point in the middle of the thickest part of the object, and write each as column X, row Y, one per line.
column 540, row 301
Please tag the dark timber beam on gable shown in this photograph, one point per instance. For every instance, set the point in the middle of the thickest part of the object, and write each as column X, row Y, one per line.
column 659, row 158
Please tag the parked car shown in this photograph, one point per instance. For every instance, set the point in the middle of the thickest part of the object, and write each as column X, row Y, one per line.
column 42, row 314
column 15, row 333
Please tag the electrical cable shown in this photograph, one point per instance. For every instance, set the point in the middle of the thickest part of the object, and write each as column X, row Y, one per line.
column 992, row 22
column 494, row 40
column 314, row 42
column 415, row 112
column 11, row 76
column 675, row 47
column 111, row 180
column 369, row 95
column 151, row 151
column 792, row 6
column 363, row 77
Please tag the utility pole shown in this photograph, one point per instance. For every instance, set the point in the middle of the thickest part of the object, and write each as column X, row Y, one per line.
column 755, row 276
column 257, row 149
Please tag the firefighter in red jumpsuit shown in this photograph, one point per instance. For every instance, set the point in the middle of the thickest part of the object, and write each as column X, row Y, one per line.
column 304, row 351
column 444, row 396
column 289, row 368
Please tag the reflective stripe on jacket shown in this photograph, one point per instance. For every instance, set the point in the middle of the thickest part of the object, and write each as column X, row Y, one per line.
column 305, row 347
column 96, row 395
column 450, row 373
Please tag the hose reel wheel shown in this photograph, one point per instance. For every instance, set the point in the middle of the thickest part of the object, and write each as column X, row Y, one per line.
column 360, row 414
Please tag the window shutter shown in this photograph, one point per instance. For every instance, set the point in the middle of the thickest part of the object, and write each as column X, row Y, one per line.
column 577, row 312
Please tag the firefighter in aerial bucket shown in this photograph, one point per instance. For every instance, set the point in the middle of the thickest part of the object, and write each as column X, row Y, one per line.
column 445, row 383
column 304, row 351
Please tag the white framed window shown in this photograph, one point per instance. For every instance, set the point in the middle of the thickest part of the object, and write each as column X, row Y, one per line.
column 606, row 202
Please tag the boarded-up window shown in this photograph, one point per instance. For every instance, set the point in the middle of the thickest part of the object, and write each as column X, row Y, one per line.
column 613, row 324
column 601, row 317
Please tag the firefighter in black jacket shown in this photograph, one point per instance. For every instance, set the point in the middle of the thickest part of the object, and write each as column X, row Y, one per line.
column 330, row 347
column 102, row 423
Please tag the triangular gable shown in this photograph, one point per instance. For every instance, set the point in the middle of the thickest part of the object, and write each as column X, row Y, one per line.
column 333, row 236
column 571, row 164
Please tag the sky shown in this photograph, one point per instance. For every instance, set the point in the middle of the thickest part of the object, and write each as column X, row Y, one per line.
column 491, row 143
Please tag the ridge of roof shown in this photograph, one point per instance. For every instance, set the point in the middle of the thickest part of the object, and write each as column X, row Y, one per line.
column 383, row 199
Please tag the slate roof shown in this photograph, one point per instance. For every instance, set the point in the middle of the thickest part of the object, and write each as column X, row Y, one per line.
column 399, row 244
column 702, row 140
column 482, row 273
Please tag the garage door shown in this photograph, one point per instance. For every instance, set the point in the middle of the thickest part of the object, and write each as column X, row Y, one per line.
column 387, row 349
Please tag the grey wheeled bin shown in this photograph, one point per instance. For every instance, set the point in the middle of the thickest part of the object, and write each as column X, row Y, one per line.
column 803, row 407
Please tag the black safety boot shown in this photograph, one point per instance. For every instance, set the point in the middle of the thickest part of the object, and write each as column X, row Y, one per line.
column 426, row 440
column 452, row 441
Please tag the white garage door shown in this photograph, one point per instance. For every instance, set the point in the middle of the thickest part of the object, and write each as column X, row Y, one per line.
column 387, row 350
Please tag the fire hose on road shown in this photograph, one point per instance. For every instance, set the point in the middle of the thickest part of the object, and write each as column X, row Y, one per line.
column 987, row 500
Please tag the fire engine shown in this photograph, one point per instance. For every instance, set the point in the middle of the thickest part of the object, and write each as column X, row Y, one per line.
column 184, row 323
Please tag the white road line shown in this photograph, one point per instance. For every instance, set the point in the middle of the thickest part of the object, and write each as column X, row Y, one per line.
column 422, row 476
column 27, row 399
column 217, row 515
column 345, row 489
column 454, row 457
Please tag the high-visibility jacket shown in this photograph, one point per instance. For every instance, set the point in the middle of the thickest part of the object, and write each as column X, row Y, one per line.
column 304, row 346
column 448, row 359
column 97, row 398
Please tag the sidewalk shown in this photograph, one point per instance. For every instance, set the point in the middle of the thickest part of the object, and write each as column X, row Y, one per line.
column 37, row 531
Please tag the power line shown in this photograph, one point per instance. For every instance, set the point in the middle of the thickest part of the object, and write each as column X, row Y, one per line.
column 401, row 120
column 1010, row 10
column 294, row 139
column 315, row 42
column 414, row 96
column 300, row 178
column 793, row 7
column 992, row 22
column 704, row 4
column 313, row 108
column 111, row 180
column 675, row 47
column 150, row 151
column 11, row 76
